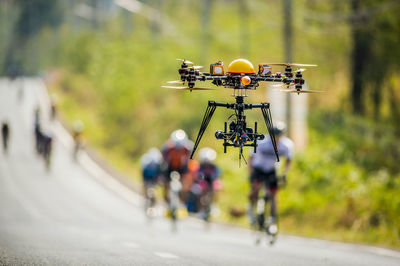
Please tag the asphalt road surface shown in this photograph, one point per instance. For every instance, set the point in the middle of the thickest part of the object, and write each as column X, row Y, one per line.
column 76, row 214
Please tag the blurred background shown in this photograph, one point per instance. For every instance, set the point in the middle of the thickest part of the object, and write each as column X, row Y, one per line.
column 106, row 60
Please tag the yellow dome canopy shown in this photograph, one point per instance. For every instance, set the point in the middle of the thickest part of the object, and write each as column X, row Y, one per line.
column 241, row 66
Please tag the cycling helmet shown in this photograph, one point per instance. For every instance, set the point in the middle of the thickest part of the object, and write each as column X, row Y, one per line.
column 179, row 138
column 178, row 135
column 279, row 128
column 153, row 155
column 207, row 155
column 78, row 126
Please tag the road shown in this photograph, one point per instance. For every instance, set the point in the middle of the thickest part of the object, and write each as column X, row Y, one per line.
column 76, row 214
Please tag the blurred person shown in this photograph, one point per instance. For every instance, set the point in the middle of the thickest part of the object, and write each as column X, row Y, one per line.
column 189, row 181
column 263, row 170
column 151, row 170
column 12, row 71
column 38, row 132
column 174, row 204
column 176, row 155
column 53, row 106
column 47, row 144
column 77, row 130
column 5, row 133
column 206, row 185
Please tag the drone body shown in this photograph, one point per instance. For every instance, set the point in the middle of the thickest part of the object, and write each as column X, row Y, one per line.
column 241, row 77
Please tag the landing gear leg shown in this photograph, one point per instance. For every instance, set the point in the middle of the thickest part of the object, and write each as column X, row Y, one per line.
column 206, row 120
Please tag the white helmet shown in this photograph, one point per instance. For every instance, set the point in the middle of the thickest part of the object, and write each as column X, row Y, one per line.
column 178, row 135
column 78, row 126
column 279, row 128
column 153, row 155
column 207, row 155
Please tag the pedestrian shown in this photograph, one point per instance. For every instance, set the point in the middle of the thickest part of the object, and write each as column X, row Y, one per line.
column 5, row 132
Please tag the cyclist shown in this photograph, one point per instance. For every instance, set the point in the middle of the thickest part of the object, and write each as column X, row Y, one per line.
column 47, row 142
column 151, row 169
column 263, row 169
column 5, row 133
column 208, row 181
column 38, row 132
column 176, row 154
column 78, row 138
column 53, row 107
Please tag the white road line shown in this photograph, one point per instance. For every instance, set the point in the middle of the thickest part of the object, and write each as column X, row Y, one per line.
column 166, row 255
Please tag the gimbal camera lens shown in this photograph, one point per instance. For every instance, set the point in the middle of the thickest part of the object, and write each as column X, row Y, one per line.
column 232, row 126
column 260, row 136
column 219, row 134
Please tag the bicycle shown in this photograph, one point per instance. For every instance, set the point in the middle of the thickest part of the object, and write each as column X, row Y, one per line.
column 266, row 223
column 47, row 150
column 78, row 146
column 150, row 200
column 174, row 198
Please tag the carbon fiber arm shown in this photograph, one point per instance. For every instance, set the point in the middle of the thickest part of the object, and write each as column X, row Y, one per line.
column 206, row 120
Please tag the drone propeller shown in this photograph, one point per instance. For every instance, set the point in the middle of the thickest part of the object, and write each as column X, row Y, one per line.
column 301, row 91
column 281, row 85
column 195, row 67
column 175, row 82
column 187, row 88
column 292, row 65
column 301, row 70
column 185, row 61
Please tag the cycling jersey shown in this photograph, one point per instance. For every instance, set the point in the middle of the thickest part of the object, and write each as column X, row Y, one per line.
column 176, row 156
column 151, row 171
column 209, row 172
column 264, row 159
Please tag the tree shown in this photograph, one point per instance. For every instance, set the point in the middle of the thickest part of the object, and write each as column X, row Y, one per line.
column 360, row 56
column 33, row 16
column 375, row 29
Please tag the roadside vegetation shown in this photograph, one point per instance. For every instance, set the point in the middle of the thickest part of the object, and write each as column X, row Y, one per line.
column 343, row 186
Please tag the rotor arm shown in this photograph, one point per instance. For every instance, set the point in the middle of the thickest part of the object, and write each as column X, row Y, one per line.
column 206, row 120
column 285, row 80
column 216, row 77
column 270, row 79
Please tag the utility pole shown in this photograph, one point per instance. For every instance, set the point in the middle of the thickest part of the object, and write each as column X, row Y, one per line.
column 287, row 40
column 296, row 105
column 205, row 23
column 244, row 41
column 94, row 13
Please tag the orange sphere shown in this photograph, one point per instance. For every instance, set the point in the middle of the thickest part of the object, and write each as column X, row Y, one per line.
column 246, row 80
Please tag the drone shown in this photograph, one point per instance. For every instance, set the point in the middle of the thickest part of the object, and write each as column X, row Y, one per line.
column 241, row 77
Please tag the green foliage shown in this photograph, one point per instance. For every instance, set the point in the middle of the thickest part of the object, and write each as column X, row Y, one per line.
column 361, row 140
column 340, row 186
column 8, row 17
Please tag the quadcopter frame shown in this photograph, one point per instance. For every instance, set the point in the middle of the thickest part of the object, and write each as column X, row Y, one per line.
column 239, row 135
